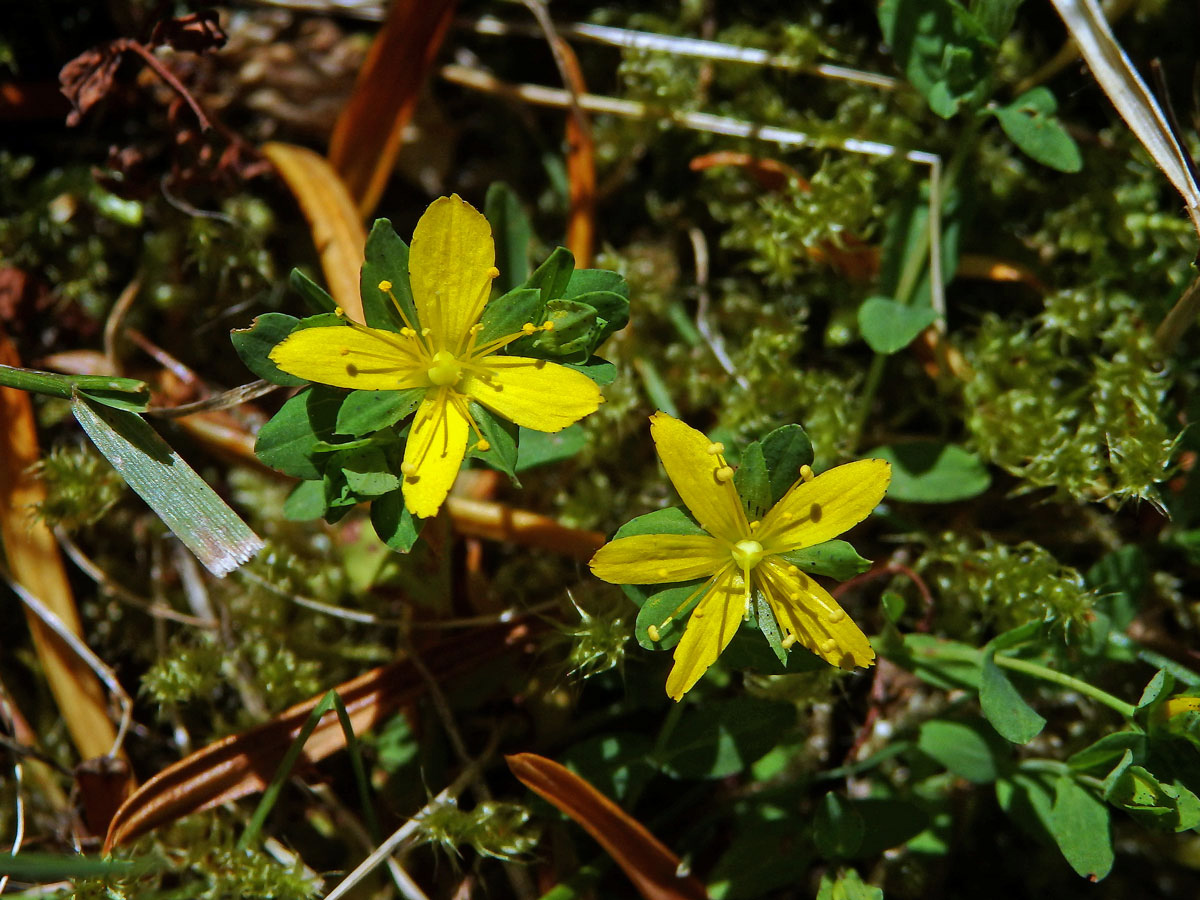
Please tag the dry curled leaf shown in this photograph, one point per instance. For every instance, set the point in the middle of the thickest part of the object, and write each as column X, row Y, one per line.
column 653, row 869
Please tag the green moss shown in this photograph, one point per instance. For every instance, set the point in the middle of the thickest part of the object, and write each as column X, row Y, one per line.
column 80, row 487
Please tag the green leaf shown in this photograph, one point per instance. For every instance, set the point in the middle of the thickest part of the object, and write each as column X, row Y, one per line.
column 553, row 275
column 888, row 326
column 293, row 438
column 254, row 344
column 752, row 482
column 658, row 604
column 1030, row 123
column 505, row 315
column 1108, row 749
column 1080, row 825
column 365, row 412
column 540, row 448
column 933, row 472
column 193, row 511
column 1004, row 707
column 501, row 434
column 585, row 281
column 616, row 764
column 1028, row 799
column 512, row 233
column 942, row 663
column 386, row 259
column 366, row 470
column 670, row 520
column 313, row 294
column 847, row 886
column 838, row 828
column 996, row 17
column 834, row 559
column 393, row 523
column 599, row 370
column 50, row 867
column 1165, row 807
column 724, row 737
column 785, row 450
column 967, row 749
column 1157, row 690
column 306, row 502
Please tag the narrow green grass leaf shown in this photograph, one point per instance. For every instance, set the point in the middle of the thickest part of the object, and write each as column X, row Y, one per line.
column 180, row 497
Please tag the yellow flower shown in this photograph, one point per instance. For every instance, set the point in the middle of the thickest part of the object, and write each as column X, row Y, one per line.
column 451, row 268
column 738, row 557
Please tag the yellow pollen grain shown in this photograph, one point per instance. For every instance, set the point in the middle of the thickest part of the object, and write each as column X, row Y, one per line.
column 385, row 285
column 652, row 633
column 724, row 474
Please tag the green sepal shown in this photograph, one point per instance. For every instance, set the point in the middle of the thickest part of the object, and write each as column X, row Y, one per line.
column 367, row 470
column 254, row 345
column 512, row 233
column 501, row 434
column 540, row 448
column 365, row 412
column 293, row 438
column 393, row 523
column 611, row 307
column 576, row 327
column 1164, row 807
column 752, row 482
column 386, row 259
column 313, row 294
column 1108, row 749
column 599, row 370
column 553, row 275
column 834, row 559
column 506, row 314
column 785, row 450
column 586, row 281
column 764, row 621
column 306, row 502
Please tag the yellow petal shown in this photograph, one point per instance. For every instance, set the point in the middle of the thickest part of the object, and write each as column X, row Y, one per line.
column 658, row 558
column 449, row 267
column 535, row 393
column 709, row 630
column 367, row 359
column 693, row 471
column 804, row 608
column 812, row 512
column 436, row 446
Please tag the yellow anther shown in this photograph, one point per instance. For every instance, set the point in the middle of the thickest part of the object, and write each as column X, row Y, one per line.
column 493, row 272
column 339, row 312
column 529, row 328
column 476, row 328
column 715, row 447
column 724, row 474
column 836, row 615
column 754, row 524
column 407, row 332
column 652, row 633
column 385, row 285
column 549, row 326
column 426, row 332
column 483, row 445
column 789, row 642
column 828, row 646
column 806, row 473
column 345, row 351
column 409, row 468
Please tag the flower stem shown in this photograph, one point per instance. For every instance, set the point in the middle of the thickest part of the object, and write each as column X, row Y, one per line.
column 1047, row 674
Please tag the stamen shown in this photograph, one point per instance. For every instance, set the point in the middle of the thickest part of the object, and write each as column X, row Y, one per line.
column 339, row 312
column 806, row 473
column 408, row 469
column 461, row 405
column 836, row 615
column 344, row 351
column 716, row 448
column 653, row 633
column 828, row 646
column 724, row 474
column 407, row 330
column 483, row 446
column 385, row 285
column 496, row 344
column 493, row 272
column 529, row 328
column 547, row 326
column 789, row 641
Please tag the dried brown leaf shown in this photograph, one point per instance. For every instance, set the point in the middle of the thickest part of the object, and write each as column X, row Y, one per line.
column 653, row 869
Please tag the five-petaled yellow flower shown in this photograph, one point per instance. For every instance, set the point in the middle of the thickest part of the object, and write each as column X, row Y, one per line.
column 451, row 268
column 739, row 557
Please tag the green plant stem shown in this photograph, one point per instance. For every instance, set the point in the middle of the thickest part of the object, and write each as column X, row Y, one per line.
column 62, row 386
column 1047, row 674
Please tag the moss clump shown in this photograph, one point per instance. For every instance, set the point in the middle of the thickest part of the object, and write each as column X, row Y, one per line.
column 80, row 487
column 997, row 586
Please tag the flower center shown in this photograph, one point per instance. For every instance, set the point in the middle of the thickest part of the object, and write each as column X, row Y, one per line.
column 747, row 554
column 445, row 369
